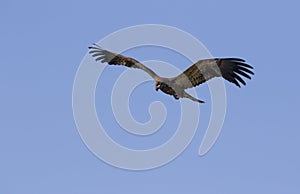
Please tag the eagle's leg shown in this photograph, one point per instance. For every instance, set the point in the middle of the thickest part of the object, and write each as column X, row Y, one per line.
column 186, row 95
column 176, row 97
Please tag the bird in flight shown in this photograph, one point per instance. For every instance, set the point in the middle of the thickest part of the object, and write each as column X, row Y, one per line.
column 231, row 69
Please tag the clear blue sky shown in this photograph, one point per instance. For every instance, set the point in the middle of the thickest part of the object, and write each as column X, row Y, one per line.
column 42, row 44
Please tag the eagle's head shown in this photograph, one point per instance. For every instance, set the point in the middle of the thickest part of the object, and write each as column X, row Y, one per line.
column 158, row 85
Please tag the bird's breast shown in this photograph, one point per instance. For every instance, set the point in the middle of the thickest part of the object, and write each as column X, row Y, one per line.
column 167, row 89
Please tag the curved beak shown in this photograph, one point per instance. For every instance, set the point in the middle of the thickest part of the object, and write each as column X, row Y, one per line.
column 157, row 87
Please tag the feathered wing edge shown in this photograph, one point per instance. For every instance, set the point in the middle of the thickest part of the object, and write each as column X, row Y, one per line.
column 230, row 69
column 111, row 58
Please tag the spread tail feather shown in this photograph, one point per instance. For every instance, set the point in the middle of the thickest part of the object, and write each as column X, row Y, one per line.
column 186, row 95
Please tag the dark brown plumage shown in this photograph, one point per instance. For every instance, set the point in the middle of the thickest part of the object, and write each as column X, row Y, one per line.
column 230, row 69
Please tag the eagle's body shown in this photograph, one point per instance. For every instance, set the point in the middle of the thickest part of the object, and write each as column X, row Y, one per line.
column 168, row 87
column 203, row 70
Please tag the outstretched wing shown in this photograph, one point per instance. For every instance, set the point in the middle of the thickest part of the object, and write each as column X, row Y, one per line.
column 111, row 58
column 230, row 69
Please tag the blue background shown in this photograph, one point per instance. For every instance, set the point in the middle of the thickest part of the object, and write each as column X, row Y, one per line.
column 42, row 44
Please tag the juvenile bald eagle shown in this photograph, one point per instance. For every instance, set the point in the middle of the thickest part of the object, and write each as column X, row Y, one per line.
column 229, row 68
